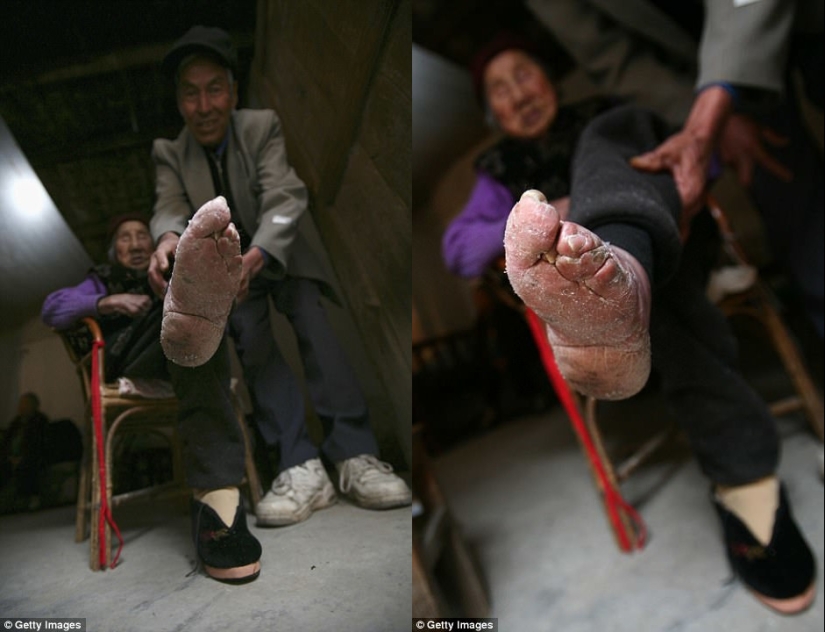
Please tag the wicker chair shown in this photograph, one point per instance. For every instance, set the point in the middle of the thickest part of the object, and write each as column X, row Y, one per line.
column 120, row 415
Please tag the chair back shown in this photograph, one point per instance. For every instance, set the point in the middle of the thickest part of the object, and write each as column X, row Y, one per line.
column 79, row 344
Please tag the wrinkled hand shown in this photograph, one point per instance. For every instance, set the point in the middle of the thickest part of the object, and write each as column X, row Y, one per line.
column 687, row 154
column 687, row 157
column 741, row 147
column 253, row 263
column 161, row 262
column 132, row 305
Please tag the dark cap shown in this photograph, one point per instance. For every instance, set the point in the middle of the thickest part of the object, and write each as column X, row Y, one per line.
column 503, row 41
column 115, row 222
column 212, row 41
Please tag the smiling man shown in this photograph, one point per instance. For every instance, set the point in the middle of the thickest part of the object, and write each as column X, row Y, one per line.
column 240, row 155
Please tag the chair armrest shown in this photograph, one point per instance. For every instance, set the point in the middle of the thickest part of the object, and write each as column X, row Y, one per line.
column 94, row 328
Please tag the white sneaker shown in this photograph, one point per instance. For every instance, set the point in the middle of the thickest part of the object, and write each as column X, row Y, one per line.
column 295, row 494
column 371, row 483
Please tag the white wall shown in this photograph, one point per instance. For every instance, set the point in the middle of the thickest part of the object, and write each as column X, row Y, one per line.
column 45, row 369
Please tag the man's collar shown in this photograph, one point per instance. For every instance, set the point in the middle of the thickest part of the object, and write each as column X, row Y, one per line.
column 218, row 151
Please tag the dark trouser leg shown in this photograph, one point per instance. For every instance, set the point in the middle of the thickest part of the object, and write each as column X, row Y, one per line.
column 213, row 447
column 730, row 429
column 331, row 380
column 277, row 399
column 635, row 211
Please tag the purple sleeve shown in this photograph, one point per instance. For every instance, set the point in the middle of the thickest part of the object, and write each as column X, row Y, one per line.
column 62, row 308
column 475, row 238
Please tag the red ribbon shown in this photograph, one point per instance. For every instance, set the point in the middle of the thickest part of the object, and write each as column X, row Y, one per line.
column 105, row 514
column 613, row 499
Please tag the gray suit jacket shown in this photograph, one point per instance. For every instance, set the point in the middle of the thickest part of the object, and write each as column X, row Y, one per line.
column 633, row 50
column 270, row 199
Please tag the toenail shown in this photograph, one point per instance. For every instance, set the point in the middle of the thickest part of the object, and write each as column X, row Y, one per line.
column 538, row 196
column 577, row 243
column 549, row 257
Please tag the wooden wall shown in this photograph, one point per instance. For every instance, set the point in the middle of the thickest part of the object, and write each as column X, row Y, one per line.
column 339, row 76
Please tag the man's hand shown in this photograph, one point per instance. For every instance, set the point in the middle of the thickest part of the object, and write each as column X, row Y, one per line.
column 253, row 263
column 161, row 262
column 132, row 305
column 741, row 147
column 687, row 153
column 688, row 160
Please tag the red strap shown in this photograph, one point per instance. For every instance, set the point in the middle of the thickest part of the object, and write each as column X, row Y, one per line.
column 613, row 499
column 97, row 418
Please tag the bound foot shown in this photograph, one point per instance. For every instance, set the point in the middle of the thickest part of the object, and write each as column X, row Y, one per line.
column 765, row 547
column 594, row 298
column 224, row 545
column 204, row 283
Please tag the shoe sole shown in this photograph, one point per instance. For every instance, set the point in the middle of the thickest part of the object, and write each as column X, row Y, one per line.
column 235, row 575
column 794, row 605
column 323, row 499
column 384, row 503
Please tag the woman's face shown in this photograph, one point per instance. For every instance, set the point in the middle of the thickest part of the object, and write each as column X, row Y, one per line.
column 520, row 95
column 133, row 245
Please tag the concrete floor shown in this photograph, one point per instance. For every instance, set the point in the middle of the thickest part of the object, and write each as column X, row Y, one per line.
column 525, row 498
column 526, row 502
column 344, row 569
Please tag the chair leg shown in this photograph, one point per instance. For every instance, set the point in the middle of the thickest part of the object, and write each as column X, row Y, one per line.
column 471, row 589
column 83, row 497
column 425, row 598
column 794, row 366
column 252, row 480
column 107, row 530
column 610, row 472
column 94, row 509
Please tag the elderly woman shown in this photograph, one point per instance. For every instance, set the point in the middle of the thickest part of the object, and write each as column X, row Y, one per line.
column 521, row 100
column 620, row 287
column 118, row 295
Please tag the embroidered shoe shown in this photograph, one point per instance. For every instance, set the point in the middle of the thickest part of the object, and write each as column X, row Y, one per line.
column 371, row 483
column 782, row 574
column 228, row 553
column 295, row 494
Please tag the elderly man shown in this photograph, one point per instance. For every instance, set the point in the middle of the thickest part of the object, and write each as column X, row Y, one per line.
column 118, row 295
column 240, row 155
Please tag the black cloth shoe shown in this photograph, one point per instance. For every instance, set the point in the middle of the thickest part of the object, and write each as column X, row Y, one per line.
column 228, row 554
column 781, row 574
